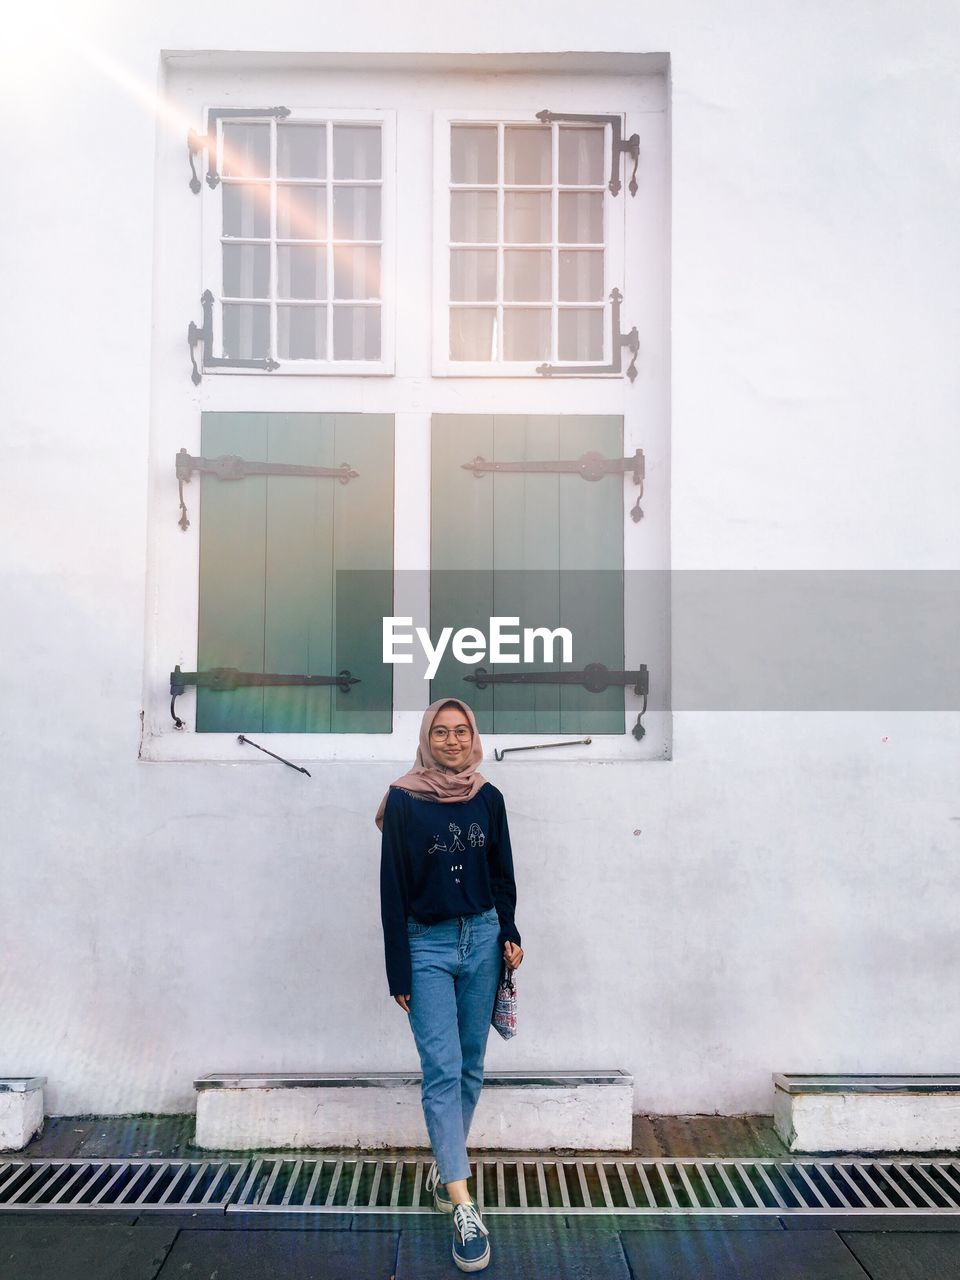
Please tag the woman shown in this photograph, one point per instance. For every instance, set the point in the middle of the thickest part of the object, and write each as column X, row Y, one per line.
column 447, row 897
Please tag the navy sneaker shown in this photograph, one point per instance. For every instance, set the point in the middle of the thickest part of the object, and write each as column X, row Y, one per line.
column 471, row 1251
column 441, row 1198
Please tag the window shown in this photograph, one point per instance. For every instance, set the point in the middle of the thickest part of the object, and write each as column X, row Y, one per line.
column 497, row 216
column 529, row 246
column 298, row 243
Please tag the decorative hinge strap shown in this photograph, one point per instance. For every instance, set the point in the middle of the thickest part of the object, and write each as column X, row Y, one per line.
column 590, row 466
column 227, row 679
column 618, row 341
column 629, row 145
column 229, row 466
column 595, row 678
column 197, row 142
column 204, row 334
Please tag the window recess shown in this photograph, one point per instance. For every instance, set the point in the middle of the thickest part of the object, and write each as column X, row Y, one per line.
column 530, row 246
column 297, row 243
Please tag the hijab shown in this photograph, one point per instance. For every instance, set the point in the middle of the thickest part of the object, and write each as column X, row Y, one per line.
column 428, row 777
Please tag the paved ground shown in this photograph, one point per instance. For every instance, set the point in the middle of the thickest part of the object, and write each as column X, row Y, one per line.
column 216, row 1245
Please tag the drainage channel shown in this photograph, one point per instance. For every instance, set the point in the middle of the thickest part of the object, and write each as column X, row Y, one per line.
column 367, row 1184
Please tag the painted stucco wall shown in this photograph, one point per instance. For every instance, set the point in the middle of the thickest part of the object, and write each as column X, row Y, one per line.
column 780, row 895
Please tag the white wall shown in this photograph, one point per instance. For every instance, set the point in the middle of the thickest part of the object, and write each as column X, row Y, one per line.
column 783, row 893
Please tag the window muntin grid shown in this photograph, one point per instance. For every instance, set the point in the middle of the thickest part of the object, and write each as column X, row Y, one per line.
column 527, row 242
column 301, row 241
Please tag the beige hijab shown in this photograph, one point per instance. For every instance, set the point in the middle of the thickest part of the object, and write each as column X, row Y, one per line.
column 428, row 777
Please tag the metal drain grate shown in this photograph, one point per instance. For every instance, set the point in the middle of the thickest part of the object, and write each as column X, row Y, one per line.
column 367, row 1184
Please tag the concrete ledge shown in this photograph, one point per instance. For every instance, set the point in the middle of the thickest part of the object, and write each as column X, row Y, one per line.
column 21, row 1110
column 867, row 1112
column 582, row 1110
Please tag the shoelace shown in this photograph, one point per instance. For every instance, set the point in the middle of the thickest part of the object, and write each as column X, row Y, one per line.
column 468, row 1222
column 433, row 1178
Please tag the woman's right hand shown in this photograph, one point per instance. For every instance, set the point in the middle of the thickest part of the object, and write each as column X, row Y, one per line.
column 403, row 1002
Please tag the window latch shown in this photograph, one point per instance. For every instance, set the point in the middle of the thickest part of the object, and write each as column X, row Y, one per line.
column 204, row 334
column 621, row 145
column 228, row 679
column 228, row 466
column 197, row 142
column 591, row 466
column 618, row 341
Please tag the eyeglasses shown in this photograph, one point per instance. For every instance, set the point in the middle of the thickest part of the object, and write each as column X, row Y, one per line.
column 441, row 733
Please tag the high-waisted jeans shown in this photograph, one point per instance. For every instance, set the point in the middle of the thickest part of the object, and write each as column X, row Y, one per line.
column 456, row 967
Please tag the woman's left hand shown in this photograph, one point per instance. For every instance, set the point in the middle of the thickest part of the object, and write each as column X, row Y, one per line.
column 512, row 955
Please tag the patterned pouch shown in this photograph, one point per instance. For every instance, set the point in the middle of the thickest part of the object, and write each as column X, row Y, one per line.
column 505, row 1006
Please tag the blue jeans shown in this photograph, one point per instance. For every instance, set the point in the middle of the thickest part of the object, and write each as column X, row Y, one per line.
column 456, row 967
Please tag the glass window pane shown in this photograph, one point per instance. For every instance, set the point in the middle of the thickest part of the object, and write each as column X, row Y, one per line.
column 246, row 210
column 580, row 334
column 301, row 271
column 246, row 270
column 356, row 333
column 356, row 213
column 473, row 275
column 581, row 276
column 246, row 330
column 527, row 156
column 526, row 275
column 301, row 212
column 527, row 217
column 526, row 334
column 473, row 153
column 473, row 333
column 356, row 151
column 581, row 156
column 246, row 150
column 356, row 272
column 581, row 217
column 473, row 217
column 301, row 333
column 301, row 151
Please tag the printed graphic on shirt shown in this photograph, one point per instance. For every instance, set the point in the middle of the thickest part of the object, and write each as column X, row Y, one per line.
column 475, row 836
column 436, row 847
column 458, row 846
column 456, row 866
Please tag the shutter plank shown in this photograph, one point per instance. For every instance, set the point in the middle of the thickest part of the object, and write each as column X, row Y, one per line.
column 232, row 540
column 591, row 556
column 299, row 573
column 461, row 548
column 363, row 543
column 526, row 544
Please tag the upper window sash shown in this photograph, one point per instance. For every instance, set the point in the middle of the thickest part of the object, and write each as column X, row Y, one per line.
column 299, row 242
column 528, row 245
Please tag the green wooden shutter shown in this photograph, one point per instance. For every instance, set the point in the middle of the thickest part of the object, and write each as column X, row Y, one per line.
column 271, row 548
column 544, row 547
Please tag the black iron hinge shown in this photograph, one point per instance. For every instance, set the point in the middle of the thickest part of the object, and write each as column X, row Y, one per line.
column 618, row 341
column 595, row 678
column 204, row 334
column 629, row 145
column 227, row 679
column 197, row 142
column 591, row 466
column 228, row 466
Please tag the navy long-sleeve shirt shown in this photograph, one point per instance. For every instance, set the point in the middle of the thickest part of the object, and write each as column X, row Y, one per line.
column 438, row 861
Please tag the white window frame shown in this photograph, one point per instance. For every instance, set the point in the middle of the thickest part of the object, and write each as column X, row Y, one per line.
column 613, row 251
column 635, row 86
column 212, row 256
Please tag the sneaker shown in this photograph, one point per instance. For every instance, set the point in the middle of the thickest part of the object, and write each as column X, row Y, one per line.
column 471, row 1252
column 441, row 1199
